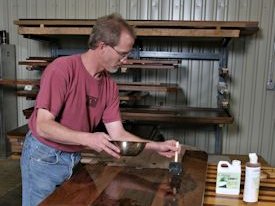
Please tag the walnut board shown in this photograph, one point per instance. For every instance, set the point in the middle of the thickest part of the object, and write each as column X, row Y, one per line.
column 100, row 184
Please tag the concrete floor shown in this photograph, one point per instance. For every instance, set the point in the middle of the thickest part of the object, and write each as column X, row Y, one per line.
column 10, row 183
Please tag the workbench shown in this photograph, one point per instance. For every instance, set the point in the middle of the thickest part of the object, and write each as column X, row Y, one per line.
column 128, row 183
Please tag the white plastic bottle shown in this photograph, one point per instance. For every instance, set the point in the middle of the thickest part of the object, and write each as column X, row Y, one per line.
column 228, row 177
column 252, row 179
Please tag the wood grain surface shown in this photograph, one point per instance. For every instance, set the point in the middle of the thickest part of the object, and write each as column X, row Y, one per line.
column 101, row 184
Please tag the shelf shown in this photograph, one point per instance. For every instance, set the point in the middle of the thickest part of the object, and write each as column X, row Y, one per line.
column 137, row 86
column 187, row 115
column 124, row 96
column 132, row 95
column 16, row 138
column 156, row 115
column 156, row 28
column 150, row 64
column 121, row 86
column 40, row 64
column 28, row 94
column 19, row 82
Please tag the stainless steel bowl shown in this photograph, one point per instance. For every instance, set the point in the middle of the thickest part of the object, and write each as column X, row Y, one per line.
column 129, row 148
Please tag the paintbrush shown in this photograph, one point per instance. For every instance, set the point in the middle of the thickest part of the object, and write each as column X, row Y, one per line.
column 175, row 169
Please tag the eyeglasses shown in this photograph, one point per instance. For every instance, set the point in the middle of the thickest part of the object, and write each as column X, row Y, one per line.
column 124, row 55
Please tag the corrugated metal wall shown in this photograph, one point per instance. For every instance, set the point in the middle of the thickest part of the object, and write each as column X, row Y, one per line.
column 249, row 62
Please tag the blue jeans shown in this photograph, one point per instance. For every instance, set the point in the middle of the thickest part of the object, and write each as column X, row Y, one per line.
column 43, row 168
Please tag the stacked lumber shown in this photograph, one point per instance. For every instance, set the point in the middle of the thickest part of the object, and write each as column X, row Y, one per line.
column 39, row 63
column 16, row 139
column 123, row 86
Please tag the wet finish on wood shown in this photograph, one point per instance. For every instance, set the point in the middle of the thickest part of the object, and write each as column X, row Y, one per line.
column 100, row 184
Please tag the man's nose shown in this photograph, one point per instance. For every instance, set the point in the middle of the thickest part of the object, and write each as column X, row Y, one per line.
column 124, row 60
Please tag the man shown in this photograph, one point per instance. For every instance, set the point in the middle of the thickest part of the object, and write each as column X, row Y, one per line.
column 75, row 94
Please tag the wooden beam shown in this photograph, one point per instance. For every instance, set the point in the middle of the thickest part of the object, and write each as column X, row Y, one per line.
column 139, row 23
column 121, row 86
column 164, row 27
column 39, row 64
column 188, row 32
column 186, row 115
column 19, row 82
column 164, row 32
column 147, row 87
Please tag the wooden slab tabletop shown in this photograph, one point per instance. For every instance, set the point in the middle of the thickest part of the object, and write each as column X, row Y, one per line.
column 102, row 184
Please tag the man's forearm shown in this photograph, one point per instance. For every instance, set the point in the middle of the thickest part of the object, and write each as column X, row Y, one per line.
column 56, row 132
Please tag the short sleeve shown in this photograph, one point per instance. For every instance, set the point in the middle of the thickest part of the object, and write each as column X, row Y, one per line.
column 112, row 111
column 52, row 90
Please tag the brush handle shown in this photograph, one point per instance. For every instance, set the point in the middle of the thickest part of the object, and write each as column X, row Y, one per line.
column 177, row 153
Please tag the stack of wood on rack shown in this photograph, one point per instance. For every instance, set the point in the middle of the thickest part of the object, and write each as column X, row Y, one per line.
column 16, row 140
column 39, row 63
column 131, row 92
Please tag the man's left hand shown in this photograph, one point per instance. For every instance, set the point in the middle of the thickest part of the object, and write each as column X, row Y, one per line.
column 167, row 148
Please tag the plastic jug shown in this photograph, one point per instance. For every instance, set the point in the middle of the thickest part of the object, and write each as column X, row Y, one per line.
column 228, row 177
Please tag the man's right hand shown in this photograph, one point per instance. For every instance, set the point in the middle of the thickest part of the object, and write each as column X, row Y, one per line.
column 100, row 141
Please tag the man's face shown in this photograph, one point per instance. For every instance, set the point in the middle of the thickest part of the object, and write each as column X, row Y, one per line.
column 119, row 53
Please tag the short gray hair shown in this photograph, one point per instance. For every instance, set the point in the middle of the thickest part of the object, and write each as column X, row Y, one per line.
column 108, row 30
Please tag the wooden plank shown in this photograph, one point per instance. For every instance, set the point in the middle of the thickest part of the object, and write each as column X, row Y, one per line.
column 139, row 32
column 245, row 27
column 54, row 31
column 150, row 64
column 188, row 33
column 39, row 64
column 138, row 23
column 16, row 138
column 28, row 94
column 19, row 82
column 45, row 59
column 147, row 66
column 34, row 63
column 152, row 61
column 130, row 96
column 100, row 184
column 18, row 132
column 188, row 115
column 147, row 87
column 173, row 116
column 121, row 86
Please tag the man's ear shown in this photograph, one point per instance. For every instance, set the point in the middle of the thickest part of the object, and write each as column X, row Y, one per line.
column 101, row 45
